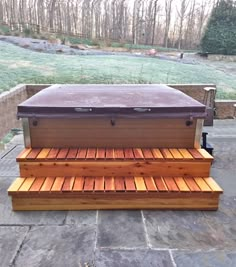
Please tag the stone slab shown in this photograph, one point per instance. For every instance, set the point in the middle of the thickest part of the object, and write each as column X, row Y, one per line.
column 81, row 217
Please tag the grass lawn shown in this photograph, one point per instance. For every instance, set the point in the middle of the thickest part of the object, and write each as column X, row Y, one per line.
column 18, row 65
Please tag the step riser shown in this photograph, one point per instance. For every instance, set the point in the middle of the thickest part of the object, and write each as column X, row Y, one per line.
column 180, row 202
column 117, row 168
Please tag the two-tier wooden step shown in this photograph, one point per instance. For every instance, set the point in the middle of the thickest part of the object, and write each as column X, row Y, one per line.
column 114, row 162
column 78, row 193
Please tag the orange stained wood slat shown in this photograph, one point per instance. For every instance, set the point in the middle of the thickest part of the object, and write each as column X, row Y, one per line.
column 213, row 185
column 160, row 184
column 157, row 153
column 16, row 184
column 138, row 153
column 82, row 153
column 202, row 184
column 37, row 184
column 72, row 153
column 140, row 185
column 24, row 153
column 128, row 153
column 91, row 153
column 181, row 184
column 89, row 184
column 53, row 153
column 119, row 184
column 47, row 185
column 195, row 153
column 176, row 154
column 99, row 184
column 78, row 184
column 109, row 153
column 191, row 184
column 25, row 187
column 57, row 185
column 33, row 153
column 204, row 153
column 62, row 153
column 166, row 153
column 170, row 182
column 147, row 153
column 109, row 183
column 119, row 153
column 129, row 184
column 185, row 153
column 101, row 152
column 150, row 184
column 43, row 153
column 68, row 184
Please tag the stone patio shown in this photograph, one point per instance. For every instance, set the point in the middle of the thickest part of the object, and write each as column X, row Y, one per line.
column 124, row 238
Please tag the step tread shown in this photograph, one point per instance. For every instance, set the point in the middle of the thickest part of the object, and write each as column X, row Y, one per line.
column 73, row 154
column 114, row 184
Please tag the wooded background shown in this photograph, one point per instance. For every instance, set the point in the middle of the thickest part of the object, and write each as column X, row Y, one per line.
column 168, row 23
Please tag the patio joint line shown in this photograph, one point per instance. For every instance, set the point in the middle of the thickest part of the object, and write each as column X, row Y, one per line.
column 172, row 258
column 145, row 230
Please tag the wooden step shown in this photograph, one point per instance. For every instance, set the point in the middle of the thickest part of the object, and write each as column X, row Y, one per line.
column 78, row 193
column 114, row 162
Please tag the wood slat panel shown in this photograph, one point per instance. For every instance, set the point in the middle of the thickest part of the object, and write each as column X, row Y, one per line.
column 16, row 185
column 157, row 153
column 43, row 153
column 176, row 154
column 147, row 153
column 91, row 153
column 185, row 153
column 205, row 154
column 128, row 153
column 109, row 183
column 166, row 153
column 195, row 153
column 82, row 153
column 138, row 153
column 191, row 184
column 25, row 187
column 109, row 153
column 181, row 184
column 33, row 153
column 140, row 185
column 170, row 182
column 24, row 153
column 72, row 153
column 150, row 184
column 213, row 185
column 101, row 152
column 129, row 184
column 47, row 185
column 53, row 153
column 160, row 184
column 119, row 153
column 89, row 184
column 119, row 184
column 37, row 184
column 62, row 153
column 202, row 184
column 99, row 184
column 68, row 184
column 78, row 184
column 58, row 183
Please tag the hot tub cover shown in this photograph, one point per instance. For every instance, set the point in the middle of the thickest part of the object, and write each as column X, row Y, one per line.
column 76, row 101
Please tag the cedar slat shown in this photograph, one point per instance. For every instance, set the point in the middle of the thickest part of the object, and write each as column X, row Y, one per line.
column 62, row 153
column 109, row 153
column 205, row 154
column 157, row 153
column 202, row 184
column 58, row 183
column 185, row 153
column 23, row 154
column 128, row 153
column 213, row 185
column 16, row 184
column 119, row 153
column 68, row 184
column 181, row 184
column 119, row 184
column 33, row 153
column 166, row 153
column 47, row 185
column 99, row 184
column 91, row 153
column 147, row 153
column 43, row 153
column 100, row 153
column 78, row 184
column 25, row 187
column 81, row 153
column 160, row 184
column 72, row 153
column 170, row 182
column 89, row 184
column 138, row 153
column 176, row 154
column 140, row 185
column 191, row 184
column 195, row 153
column 53, row 153
column 129, row 184
column 109, row 183
column 150, row 184
column 37, row 184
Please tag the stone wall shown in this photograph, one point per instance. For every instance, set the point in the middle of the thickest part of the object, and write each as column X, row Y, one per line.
column 225, row 109
column 8, row 105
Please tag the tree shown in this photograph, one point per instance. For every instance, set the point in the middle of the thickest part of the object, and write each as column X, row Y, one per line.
column 220, row 34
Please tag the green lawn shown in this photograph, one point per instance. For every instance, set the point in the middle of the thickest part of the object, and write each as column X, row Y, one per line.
column 18, row 65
